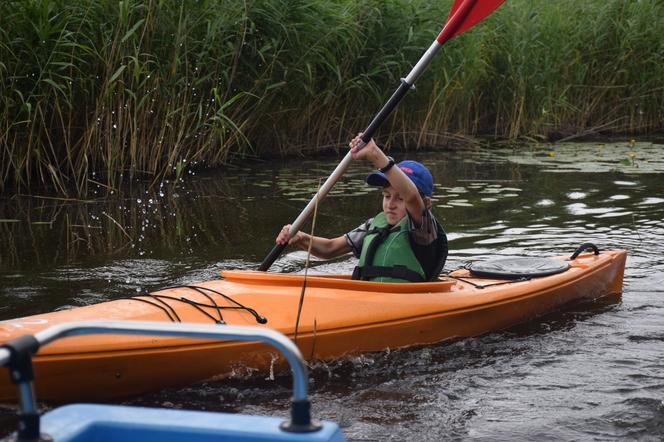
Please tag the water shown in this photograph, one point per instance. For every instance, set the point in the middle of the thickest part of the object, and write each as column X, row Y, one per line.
column 590, row 372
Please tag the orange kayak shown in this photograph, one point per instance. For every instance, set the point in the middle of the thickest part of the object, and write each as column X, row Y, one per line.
column 339, row 316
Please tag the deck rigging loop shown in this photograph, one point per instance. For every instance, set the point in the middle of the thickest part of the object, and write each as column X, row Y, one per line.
column 582, row 248
column 160, row 301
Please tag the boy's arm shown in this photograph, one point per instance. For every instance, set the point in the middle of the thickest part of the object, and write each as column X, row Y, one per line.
column 325, row 248
column 398, row 180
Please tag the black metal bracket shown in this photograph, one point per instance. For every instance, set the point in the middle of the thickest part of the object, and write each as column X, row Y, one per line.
column 21, row 350
column 22, row 375
column 300, row 419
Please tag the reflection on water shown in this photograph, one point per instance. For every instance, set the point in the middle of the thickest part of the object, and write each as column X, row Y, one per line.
column 589, row 372
column 628, row 158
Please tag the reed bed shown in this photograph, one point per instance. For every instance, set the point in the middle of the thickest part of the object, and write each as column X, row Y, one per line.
column 104, row 91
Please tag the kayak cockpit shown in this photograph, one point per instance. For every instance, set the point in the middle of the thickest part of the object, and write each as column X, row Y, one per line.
column 340, row 282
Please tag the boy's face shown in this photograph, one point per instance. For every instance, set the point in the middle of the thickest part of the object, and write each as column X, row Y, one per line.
column 394, row 206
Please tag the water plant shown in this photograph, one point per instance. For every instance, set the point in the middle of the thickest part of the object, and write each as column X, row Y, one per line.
column 104, row 91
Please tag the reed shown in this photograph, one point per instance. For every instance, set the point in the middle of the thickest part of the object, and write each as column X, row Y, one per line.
column 104, row 91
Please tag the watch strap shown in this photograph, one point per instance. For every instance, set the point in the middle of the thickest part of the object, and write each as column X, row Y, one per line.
column 388, row 166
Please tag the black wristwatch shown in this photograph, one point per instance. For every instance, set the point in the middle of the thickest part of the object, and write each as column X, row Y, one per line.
column 390, row 163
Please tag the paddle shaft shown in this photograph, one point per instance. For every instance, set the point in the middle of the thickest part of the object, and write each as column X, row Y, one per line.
column 449, row 30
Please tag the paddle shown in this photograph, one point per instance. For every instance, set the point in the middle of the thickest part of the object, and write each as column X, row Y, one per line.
column 463, row 15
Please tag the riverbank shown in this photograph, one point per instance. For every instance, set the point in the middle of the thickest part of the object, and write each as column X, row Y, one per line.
column 103, row 91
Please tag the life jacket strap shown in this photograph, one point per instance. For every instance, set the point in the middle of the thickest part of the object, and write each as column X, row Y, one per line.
column 397, row 272
column 381, row 235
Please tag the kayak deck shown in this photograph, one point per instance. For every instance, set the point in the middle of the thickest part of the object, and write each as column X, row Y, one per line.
column 339, row 316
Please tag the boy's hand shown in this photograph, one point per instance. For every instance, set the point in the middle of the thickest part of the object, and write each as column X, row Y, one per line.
column 370, row 151
column 283, row 236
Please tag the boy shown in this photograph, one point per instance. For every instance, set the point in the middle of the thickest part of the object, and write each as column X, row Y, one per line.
column 403, row 243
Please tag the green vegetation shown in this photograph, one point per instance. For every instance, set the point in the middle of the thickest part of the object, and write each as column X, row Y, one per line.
column 98, row 91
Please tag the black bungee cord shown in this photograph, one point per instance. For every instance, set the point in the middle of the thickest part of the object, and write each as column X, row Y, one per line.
column 157, row 300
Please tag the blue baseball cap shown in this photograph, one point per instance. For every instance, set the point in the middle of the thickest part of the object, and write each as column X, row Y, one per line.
column 417, row 173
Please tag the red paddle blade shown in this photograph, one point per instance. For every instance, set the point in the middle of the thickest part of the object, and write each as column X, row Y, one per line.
column 466, row 14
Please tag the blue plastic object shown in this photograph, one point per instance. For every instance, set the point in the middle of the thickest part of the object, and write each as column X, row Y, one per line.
column 107, row 423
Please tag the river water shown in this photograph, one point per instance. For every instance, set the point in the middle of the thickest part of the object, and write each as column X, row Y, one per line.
column 589, row 372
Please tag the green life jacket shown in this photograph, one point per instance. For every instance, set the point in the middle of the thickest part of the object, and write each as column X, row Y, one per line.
column 387, row 255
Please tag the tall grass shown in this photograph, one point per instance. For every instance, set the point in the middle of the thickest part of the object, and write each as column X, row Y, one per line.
column 104, row 90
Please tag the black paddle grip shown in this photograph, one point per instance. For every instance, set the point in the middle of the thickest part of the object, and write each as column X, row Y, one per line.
column 387, row 109
column 272, row 256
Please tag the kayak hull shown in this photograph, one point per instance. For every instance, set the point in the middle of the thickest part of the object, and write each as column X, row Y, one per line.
column 338, row 317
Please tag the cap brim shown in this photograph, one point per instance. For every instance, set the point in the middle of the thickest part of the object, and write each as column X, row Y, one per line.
column 377, row 179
